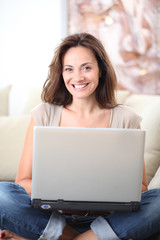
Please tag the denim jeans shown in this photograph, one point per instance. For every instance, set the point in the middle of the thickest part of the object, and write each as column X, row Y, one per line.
column 19, row 217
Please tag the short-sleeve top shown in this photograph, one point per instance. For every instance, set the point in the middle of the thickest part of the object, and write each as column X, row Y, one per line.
column 122, row 116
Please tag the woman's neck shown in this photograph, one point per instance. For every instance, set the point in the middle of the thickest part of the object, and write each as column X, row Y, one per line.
column 83, row 107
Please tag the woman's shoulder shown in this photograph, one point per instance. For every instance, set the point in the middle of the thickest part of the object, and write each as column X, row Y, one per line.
column 46, row 113
column 126, row 110
column 44, row 106
column 125, row 117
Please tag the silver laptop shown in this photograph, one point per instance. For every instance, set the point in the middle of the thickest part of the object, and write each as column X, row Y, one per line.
column 93, row 169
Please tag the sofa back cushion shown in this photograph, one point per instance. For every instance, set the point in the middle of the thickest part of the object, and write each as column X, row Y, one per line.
column 140, row 101
column 12, row 135
column 23, row 99
column 151, row 122
column 4, row 103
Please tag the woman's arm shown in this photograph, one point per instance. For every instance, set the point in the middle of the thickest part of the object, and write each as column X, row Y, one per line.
column 24, row 175
column 144, row 183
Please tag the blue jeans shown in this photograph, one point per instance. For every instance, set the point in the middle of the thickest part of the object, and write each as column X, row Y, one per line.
column 19, row 217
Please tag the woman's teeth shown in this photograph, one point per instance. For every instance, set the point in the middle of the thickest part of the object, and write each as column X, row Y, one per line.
column 80, row 86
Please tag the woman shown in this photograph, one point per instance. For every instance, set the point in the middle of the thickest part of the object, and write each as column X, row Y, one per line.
column 79, row 92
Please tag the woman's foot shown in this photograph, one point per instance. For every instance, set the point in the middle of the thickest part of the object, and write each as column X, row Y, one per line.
column 89, row 235
column 68, row 233
column 6, row 234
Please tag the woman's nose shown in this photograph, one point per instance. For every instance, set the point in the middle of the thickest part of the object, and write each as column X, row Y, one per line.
column 78, row 76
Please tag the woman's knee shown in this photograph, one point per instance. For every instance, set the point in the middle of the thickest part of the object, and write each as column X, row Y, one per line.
column 5, row 188
column 151, row 204
column 10, row 194
column 151, row 197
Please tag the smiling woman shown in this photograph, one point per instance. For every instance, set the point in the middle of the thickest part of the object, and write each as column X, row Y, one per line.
column 79, row 92
column 94, row 56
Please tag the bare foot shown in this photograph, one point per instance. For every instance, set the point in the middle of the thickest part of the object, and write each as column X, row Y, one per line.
column 68, row 233
column 6, row 234
column 89, row 235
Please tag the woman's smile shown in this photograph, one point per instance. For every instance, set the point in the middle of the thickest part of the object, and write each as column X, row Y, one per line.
column 80, row 86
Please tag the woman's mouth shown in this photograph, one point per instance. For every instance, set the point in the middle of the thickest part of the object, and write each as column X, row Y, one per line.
column 80, row 86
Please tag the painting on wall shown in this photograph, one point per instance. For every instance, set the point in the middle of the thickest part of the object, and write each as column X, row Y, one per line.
column 130, row 32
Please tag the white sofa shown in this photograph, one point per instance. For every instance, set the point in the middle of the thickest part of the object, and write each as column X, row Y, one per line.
column 17, row 101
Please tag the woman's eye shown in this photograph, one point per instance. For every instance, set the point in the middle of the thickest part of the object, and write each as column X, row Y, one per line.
column 86, row 68
column 68, row 69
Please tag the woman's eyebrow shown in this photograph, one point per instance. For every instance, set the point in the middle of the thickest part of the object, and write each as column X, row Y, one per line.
column 86, row 63
column 82, row 65
column 67, row 65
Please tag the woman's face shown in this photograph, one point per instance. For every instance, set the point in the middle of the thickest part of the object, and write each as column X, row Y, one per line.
column 80, row 72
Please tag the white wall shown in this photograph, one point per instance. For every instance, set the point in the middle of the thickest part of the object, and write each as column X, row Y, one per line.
column 29, row 32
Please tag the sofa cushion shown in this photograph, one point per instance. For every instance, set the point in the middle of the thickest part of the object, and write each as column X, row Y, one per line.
column 151, row 122
column 4, row 95
column 23, row 99
column 140, row 101
column 12, row 134
column 121, row 95
column 155, row 182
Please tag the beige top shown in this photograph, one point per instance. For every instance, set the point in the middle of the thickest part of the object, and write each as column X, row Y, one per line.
column 122, row 116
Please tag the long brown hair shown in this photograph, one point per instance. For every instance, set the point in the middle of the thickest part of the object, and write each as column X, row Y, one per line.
column 54, row 90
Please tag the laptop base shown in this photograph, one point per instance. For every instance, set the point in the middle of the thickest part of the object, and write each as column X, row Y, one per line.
column 85, row 206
